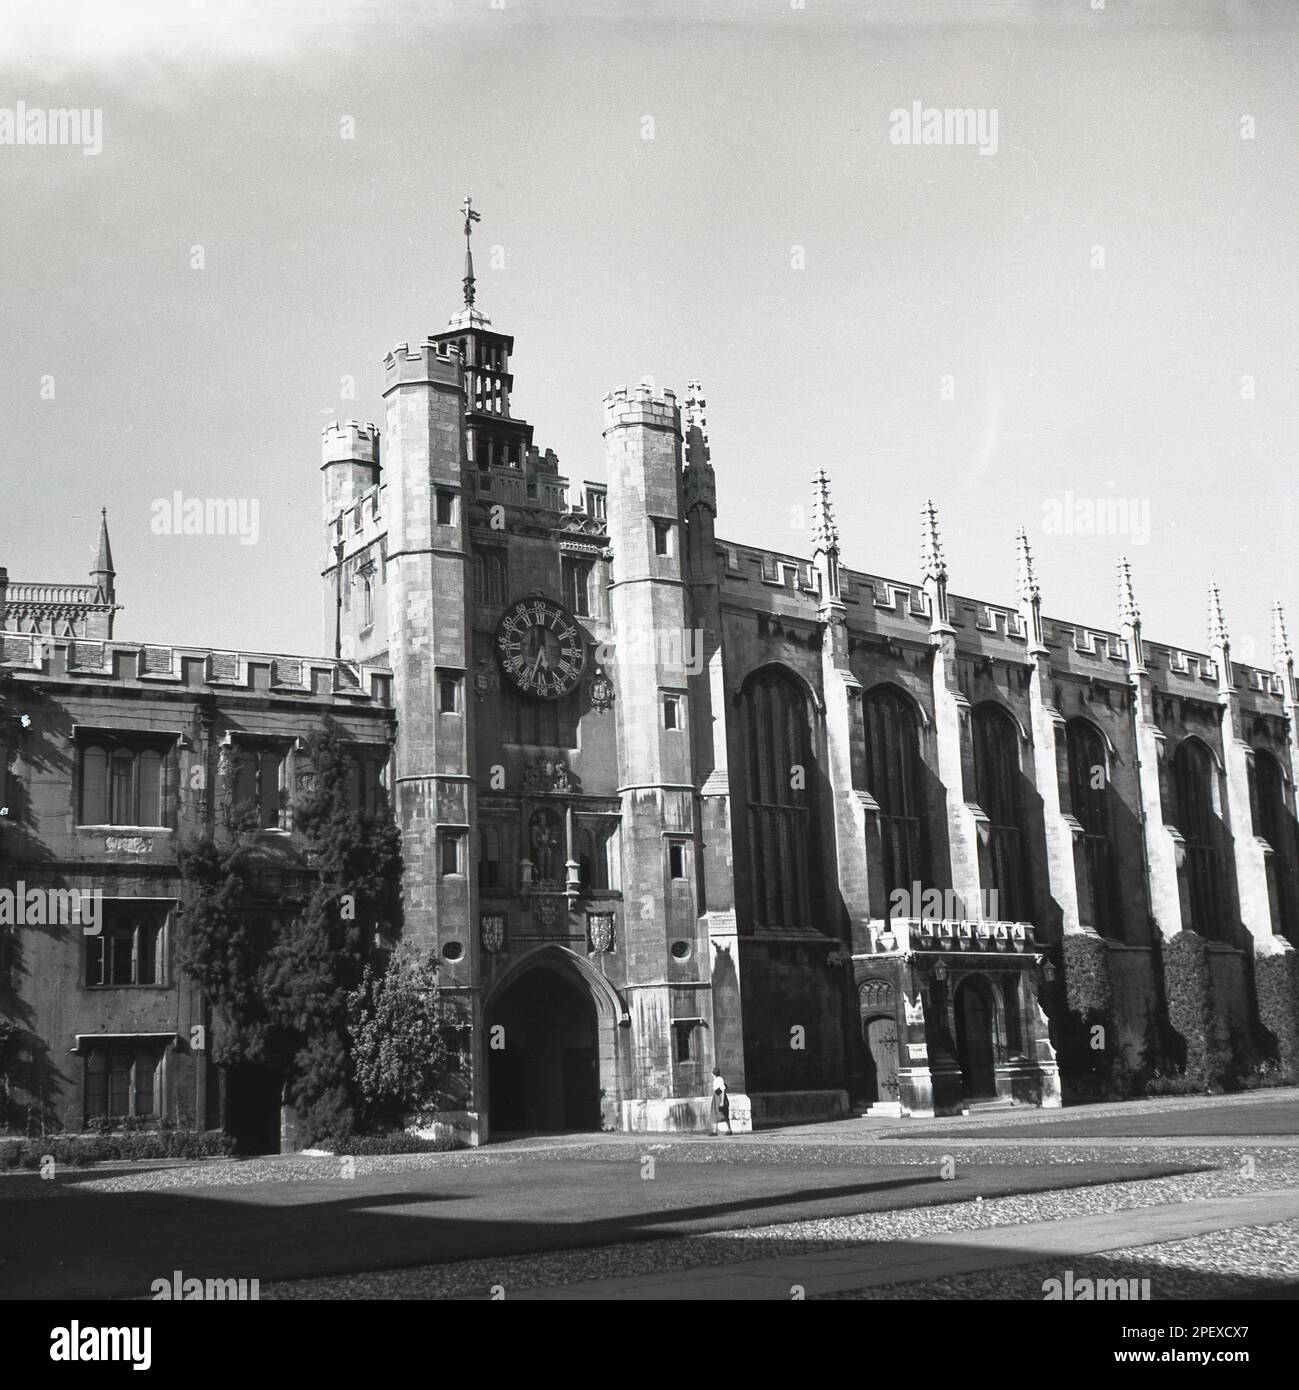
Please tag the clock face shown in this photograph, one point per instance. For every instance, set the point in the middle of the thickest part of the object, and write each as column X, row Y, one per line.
column 540, row 648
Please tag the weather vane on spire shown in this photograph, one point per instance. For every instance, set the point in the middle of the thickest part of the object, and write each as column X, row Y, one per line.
column 467, row 207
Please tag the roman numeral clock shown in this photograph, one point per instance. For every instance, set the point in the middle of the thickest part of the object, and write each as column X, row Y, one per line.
column 540, row 648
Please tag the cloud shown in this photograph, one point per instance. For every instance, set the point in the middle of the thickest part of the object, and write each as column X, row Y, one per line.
column 61, row 36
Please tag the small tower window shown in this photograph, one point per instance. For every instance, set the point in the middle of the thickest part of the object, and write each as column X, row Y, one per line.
column 451, row 852
column 663, row 538
column 448, row 694
column 446, row 507
column 677, row 859
column 672, row 711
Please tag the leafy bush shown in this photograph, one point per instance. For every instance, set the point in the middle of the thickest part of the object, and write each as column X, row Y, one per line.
column 396, row 1143
column 76, row 1150
column 399, row 1049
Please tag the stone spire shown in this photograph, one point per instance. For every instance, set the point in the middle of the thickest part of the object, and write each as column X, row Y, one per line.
column 1282, row 656
column 699, row 481
column 1026, row 579
column 1219, row 642
column 1130, row 618
column 933, row 566
column 825, row 533
column 1281, row 653
column 102, row 572
column 933, row 562
column 694, row 419
column 1030, row 594
column 825, row 537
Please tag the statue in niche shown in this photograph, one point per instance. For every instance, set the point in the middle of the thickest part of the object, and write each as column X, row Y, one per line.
column 544, row 841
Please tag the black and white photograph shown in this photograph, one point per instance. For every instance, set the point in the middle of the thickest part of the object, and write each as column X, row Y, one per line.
column 647, row 654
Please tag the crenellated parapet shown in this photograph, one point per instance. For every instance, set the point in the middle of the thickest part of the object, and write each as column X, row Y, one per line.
column 192, row 669
column 351, row 441
column 641, row 406
column 428, row 362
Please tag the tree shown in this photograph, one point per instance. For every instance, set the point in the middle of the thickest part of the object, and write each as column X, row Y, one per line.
column 398, row 1044
column 282, row 993
column 224, row 944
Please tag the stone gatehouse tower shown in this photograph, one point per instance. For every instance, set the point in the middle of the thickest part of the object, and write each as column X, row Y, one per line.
column 671, row 802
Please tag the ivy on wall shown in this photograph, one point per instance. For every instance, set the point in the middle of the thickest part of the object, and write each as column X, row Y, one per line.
column 1276, row 985
column 1200, row 1056
column 1088, row 1047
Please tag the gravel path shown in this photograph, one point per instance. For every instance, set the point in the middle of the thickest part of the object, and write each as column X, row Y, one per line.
column 1244, row 1262
column 477, row 1278
column 1034, row 1153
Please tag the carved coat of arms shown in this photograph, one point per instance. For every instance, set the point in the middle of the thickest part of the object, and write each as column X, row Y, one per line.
column 492, row 928
column 599, row 928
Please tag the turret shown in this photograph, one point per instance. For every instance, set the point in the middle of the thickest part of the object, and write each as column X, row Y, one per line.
column 349, row 464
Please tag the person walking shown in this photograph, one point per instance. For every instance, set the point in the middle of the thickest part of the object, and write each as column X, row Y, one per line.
column 721, row 1103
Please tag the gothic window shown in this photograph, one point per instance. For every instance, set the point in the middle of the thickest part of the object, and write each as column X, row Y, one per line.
column 893, row 777
column 1089, row 802
column 130, row 948
column 783, row 835
column 539, row 723
column 261, row 783
column 365, row 791
column 123, row 1081
column 121, row 781
column 577, row 585
column 367, row 601
column 997, row 790
column 594, row 849
column 489, row 577
column 1196, row 821
column 1274, row 823
column 489, row 856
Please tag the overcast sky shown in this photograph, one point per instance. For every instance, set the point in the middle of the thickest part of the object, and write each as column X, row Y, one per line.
column 1165, row 376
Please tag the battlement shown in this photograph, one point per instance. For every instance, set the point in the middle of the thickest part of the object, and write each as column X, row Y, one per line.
column 192, row 669
column 438, row 363
column 348, row 441
column 1002, row 623
column 639, row 405
column 537, row 462
column 33, row 592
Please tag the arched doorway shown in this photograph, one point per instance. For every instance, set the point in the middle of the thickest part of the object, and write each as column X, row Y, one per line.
column 253, row 1098
column 976, row 1050
column 542, row 1057
column 882, row 1049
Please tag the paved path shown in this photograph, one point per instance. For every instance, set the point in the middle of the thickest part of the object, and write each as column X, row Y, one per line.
column 73, row 1240
column 959, row 1252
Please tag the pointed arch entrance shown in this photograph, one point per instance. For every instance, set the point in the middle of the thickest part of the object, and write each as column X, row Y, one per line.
column 976, row 1014
column 549, row 1026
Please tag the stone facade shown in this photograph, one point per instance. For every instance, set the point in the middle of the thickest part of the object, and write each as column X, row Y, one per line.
column 854, row 841
column 1018, row 776
column 108, row 1006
